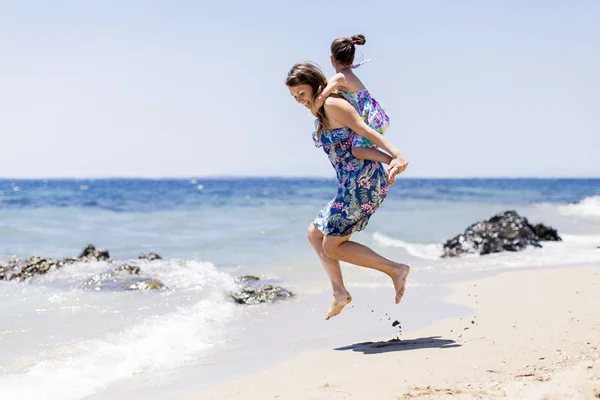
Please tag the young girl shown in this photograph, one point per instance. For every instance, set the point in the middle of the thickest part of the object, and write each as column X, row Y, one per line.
column 352, row 89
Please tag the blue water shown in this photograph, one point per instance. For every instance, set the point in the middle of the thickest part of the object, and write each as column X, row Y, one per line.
column 242, row 222
column 148, row 195
column 59, row 340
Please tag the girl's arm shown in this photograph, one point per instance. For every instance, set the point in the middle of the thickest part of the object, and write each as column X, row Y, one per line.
column 341, row 111
column 332, row 85
column 370, row 153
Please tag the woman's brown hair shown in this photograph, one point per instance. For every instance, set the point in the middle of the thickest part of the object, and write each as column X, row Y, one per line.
column 310, row 74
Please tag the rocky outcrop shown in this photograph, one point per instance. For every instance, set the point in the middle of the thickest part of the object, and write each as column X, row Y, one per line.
column 91, row 254
column 122, row 276
column 23, row 270
column 253, row 291
column 118, row 277
column 506, row 231
column 149, row 256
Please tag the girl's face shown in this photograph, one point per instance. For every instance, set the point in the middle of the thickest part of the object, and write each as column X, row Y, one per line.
column 303, row 94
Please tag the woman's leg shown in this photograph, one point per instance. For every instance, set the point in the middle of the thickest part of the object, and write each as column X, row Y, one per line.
column 342, row 249
column 341, row 297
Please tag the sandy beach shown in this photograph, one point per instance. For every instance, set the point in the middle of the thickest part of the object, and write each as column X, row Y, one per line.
column 533, row 334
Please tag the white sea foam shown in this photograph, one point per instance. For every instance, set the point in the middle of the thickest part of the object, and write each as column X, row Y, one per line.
column 77, row 369
column 573, row 249
column 175, row 274
column 431, row 251
column 588, row 207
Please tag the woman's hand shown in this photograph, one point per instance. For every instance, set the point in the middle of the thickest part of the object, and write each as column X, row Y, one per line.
column 341, row 111
column 396, row 166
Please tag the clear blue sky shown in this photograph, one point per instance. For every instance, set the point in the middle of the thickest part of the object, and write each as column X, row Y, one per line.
column 195, row 88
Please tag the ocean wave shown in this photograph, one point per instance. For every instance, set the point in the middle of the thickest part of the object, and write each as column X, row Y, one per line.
column 588, row 207
column 584, row 240
column 431, row 251
column 77, row 369
column 573, row 249
column 175, row 274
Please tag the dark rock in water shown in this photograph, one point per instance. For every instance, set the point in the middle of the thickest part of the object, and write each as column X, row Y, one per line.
column 130, row 269
column 149, row 256
column 113, row 281
column 505, row 231
column 143, row 284
column 123, row 277
column 23, row 270
column 91, row 254
column 545, row 233
column 264, row 294
column 252, row 291
column 120, row 277
column 247, row 278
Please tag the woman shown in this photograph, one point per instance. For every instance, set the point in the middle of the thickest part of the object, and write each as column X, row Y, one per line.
column 362, row 188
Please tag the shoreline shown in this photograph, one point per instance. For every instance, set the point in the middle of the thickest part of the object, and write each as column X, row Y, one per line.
column 541, row 340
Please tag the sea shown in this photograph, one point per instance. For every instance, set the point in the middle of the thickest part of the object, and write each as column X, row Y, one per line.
column 60, row 340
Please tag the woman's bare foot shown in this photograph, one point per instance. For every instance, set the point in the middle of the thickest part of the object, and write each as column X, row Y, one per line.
column 338, row 303
column 399, row 279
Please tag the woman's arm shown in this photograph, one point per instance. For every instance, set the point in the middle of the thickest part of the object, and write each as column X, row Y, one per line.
column 341, row 111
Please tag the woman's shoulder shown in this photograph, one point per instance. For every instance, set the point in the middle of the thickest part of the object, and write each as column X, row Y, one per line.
column 335, row 100
column 336, row 104
column 335, row 107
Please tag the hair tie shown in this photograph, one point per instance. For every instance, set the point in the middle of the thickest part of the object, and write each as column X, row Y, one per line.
column 363, row 62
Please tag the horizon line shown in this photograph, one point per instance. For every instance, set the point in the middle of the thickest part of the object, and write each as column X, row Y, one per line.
column 280, row 177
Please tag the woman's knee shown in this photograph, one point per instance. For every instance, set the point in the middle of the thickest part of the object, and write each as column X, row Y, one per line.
column 314, row 234
column 331, row 248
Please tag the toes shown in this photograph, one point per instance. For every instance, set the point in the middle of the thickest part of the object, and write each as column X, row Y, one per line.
column 337, row 307
column 399, row 295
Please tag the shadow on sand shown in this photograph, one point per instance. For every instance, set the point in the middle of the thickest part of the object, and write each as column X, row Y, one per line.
column 401, row 345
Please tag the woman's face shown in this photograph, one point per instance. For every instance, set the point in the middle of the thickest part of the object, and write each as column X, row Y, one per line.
column 303, row 94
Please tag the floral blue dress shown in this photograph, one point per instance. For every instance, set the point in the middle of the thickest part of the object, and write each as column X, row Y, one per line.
column 361, row 190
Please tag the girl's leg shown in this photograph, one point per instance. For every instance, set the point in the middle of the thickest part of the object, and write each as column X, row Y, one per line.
column 341, row 297
column 371, row 153
column 342, row 249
